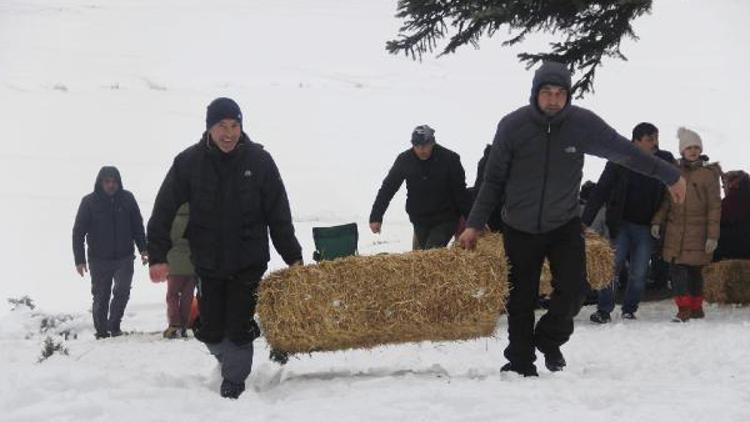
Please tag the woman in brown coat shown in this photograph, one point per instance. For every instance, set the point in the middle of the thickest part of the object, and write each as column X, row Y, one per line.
column 692, row 229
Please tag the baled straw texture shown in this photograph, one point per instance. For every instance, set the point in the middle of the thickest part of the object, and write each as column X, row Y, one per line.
column 365, row 301
column 599, row 265
column 727, row 281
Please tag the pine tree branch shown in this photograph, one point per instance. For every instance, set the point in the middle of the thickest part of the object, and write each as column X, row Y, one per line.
column 589, row 30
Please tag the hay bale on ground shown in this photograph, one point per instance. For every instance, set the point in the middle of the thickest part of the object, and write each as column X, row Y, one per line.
column 599, row 265
column 365, row 301
column 727, row 281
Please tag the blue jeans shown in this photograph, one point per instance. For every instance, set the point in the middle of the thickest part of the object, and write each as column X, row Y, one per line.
column 635, row 244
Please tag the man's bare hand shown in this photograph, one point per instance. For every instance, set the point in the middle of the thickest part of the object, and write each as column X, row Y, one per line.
column 81, row 269
column 468, row 239
column 158, row 272
column 375, row 227
column 678, row 191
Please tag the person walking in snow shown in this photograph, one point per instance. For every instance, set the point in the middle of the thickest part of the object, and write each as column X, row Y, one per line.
column 691, row 234
column 631, row 200
column 109, row 222
column 236, row 197
column 436, row 195
column 181, row 279
column 536, row 165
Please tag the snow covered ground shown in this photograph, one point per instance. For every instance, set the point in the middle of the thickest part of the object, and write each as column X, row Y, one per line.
column 85, row 83
column 645, row 370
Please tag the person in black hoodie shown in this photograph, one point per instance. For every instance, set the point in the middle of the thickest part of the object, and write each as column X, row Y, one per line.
column 436, row 194
column 236, row 198
column 536, row 165
column 109, row 221
column 631, row 201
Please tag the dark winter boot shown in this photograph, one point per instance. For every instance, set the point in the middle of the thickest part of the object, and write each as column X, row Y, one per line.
column 525, row 370
column 600, row 317
column 683, row 314
column 696, row 311
column 101, row 335
column 684, row 308
column 554, row 361
column 231, row 390
column 171, row 332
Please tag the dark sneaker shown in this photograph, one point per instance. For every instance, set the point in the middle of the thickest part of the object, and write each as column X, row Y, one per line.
column 554, row 361
column 231, row 390
column 525, row 370
column 628, row 315
column 101, row 335
column 600, row 317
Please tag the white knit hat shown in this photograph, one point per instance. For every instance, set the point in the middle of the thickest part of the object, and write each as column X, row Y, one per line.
column 688, row 138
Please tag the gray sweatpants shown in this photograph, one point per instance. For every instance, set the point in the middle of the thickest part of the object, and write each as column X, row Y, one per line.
column 236, row 361
column 107, row 315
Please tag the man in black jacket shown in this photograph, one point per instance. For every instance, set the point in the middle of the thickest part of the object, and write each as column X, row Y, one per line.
column 236, row 198
column 436, row 194
column 536, row 164
column 632, row 199
column 109, row 221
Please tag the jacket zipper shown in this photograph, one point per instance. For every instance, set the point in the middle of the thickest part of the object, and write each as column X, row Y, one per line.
column 114, row 226
column 684, row 216
column 546, row 172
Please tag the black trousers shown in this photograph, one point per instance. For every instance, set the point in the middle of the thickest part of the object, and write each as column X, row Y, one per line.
column 686, row 279
column 227, row 307
column 433, row 236
column 565, row 248
column 110, row 299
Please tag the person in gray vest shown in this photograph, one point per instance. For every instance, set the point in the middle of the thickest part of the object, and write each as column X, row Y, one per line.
column 536, row 165
column 181, row 279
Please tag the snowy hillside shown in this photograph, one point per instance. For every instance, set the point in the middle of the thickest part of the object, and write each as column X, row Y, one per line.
column 85, row 83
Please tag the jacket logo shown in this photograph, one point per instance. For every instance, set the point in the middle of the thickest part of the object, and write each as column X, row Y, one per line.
column 248, row 173
column 570, row 150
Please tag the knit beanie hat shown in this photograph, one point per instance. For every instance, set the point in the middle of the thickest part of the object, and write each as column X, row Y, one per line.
column 422, row 135
column 220, row 109
column 688, row 138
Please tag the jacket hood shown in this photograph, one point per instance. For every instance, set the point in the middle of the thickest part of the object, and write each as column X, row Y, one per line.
column 550, row 73
column 107, row 171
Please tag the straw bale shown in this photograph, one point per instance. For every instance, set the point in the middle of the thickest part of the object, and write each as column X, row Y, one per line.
column 599, row 265
column 365, row 301
column 727, row 281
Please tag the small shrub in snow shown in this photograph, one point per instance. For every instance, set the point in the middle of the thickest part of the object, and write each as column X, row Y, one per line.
column 50, row 347
column 21, row 301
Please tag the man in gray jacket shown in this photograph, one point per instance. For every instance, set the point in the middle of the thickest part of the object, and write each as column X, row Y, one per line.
column 536, row 164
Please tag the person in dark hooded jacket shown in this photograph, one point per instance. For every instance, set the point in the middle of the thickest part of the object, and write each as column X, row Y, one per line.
column 110, row 222
column 536, row 165
column 236, row 198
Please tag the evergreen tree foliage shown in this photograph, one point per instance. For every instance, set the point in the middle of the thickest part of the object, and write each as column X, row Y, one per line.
column 587, row 30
